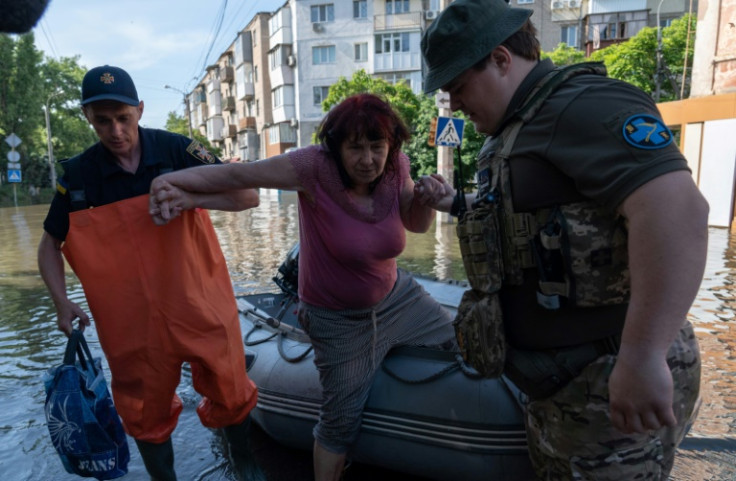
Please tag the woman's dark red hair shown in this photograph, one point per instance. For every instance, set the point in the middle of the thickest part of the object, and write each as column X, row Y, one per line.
column 363, row 116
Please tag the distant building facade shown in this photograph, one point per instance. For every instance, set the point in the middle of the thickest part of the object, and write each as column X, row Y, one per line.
column 264, row 94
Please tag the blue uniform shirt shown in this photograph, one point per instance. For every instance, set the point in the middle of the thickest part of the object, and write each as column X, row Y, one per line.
column 106, row 182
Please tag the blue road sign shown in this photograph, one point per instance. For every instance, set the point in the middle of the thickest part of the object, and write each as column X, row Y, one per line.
column 14, row 176
column 449, row 132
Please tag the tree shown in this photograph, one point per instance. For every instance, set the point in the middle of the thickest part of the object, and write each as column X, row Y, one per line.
column 424, row 158
column 20, row 87
column 27, row 83
column 399, row 95
column 632, row 61
column 564, row 54
column 62, row 89
column 178, row 124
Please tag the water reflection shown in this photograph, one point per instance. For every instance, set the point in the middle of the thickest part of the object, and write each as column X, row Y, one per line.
column 255, row 243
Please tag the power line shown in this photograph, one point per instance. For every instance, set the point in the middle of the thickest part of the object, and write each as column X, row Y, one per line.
column 218, row 26
column 49, row 38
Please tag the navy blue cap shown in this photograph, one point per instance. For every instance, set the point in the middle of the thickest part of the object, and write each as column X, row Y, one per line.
column 108, row 83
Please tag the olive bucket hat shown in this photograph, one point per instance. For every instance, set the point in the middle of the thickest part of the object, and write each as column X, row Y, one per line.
column 464, row 33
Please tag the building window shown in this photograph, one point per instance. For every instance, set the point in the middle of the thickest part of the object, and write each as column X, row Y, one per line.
column 281, row 133
column 361, row 52
column 392, row 42
column 524, row 2
column 360, row 9
column 274, row 24
column 322, row 55
column 278, row 56
column 617, row 25
column 569, row 35
column 320, row 94
column 278, row 96
column 323, row 13
column 397, row 6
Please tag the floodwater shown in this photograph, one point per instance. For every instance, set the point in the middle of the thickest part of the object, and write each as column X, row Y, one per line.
column 255, row 243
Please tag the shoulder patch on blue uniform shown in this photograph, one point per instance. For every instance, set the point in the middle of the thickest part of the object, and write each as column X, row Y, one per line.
column 61, row 186
column 198, row 151
column 645, row 131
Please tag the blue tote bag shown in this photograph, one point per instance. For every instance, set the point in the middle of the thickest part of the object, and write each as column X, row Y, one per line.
column 84, row 425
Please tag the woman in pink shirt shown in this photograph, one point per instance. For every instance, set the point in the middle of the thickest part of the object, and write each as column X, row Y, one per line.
column 356, row 201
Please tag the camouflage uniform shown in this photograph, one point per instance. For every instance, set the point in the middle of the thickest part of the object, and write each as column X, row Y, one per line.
column 546, row 248
column 570, row 433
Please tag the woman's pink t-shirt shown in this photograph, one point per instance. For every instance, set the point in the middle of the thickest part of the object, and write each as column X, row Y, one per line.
column 347, row 254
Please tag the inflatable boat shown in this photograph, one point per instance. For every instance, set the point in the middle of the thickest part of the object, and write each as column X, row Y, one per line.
column 428, row 414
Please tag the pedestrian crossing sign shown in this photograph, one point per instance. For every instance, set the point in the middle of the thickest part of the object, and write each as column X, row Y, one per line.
column 449, row 132
column 14, row 176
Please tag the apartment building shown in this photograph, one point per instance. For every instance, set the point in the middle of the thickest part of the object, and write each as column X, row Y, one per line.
column 264, row 94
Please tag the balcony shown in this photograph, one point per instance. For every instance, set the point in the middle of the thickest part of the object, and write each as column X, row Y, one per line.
column 245, row 123
column 229, row 131
column 202, row 112
column 229, row 103
column 399, row 21
column 227, row 74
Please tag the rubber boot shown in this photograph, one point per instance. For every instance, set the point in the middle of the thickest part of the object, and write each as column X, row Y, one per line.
column 241, row 456
column 159, row 459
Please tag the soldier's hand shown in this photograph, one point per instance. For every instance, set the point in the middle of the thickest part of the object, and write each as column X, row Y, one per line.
column 641, row 391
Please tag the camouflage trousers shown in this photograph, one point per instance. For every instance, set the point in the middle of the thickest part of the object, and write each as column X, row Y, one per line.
column 571, row 436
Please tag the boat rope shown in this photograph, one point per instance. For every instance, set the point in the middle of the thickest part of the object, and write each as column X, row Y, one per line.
column 257, row 341
column 466, row 368
column 288, row 358
column 458, row 364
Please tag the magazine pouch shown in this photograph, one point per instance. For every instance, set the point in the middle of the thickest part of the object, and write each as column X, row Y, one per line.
column 480, row 334
column 84, row 425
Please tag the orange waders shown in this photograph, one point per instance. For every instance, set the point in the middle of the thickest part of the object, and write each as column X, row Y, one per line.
column 161, row 295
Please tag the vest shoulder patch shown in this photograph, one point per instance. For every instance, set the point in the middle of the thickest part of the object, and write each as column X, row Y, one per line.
column 197, row 150
column 645, row 131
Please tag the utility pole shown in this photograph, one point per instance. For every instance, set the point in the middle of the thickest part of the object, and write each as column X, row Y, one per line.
column 186, row 107
column 445, row 165
column 658, row 73
column 52, row 167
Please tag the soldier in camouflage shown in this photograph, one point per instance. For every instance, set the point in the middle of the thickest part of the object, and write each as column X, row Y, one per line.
column 584, row 247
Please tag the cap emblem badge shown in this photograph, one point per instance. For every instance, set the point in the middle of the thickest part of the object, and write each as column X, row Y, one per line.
column 107, row 78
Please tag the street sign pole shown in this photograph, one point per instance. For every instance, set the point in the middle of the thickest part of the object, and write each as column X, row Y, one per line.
column 14, row 172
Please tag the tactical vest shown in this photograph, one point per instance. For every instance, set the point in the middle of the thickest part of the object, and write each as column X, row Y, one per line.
column 73, row 170
column 578, row 249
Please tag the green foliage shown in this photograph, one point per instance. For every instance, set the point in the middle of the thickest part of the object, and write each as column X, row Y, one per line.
column 400, row 95
column 564, row 54
column 27, row 83
column 635, row 61
column 178, row 124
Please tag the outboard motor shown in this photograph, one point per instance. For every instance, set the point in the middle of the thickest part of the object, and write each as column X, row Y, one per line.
column 288, row 277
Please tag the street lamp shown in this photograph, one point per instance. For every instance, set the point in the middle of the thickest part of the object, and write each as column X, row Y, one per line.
column 186, row 107
column 52, row 168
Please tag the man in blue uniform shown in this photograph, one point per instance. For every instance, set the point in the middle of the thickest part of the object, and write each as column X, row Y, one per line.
column 590, row 236
column 159, row 297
